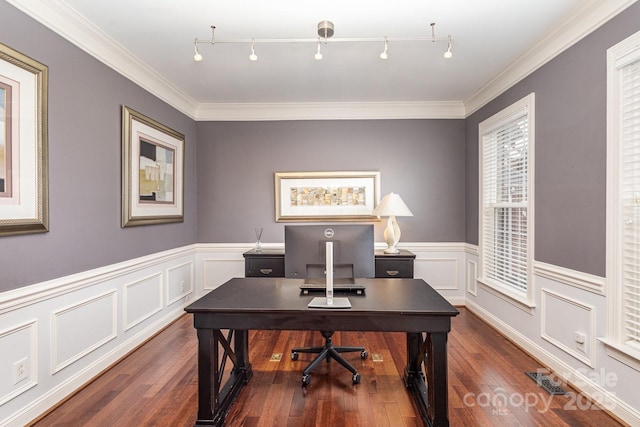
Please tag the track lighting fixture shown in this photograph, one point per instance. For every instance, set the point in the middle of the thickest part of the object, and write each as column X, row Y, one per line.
column 384, row 54
column 325, row 35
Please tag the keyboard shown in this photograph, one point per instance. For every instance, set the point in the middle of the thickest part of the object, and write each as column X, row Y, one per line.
column 339, row 285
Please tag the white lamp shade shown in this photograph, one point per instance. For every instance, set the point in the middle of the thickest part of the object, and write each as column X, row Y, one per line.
column 391, row 204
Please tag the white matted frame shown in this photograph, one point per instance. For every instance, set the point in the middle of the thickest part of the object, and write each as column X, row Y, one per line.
column 152, row 171
column 326, row 196
column 24, row 181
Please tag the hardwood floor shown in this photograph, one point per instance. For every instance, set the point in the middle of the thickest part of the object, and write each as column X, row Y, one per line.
column 157, row 385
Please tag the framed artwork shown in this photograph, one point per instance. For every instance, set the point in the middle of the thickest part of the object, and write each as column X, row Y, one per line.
column 152, row 171
column 24, row 180
column 326, row 196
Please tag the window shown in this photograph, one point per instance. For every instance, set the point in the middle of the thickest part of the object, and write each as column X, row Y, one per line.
column 623, row 202
column 506, row 201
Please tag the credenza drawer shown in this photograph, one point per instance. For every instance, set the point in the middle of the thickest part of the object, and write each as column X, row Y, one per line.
column 264, row 267
column 394, row 268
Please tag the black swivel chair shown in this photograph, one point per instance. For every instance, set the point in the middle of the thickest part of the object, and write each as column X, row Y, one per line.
column 327, row 352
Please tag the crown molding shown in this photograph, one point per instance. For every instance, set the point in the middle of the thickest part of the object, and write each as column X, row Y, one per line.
column 330, row 111
column 585, row 19
column 58, row 16
column 61, row 18
column 65, row 21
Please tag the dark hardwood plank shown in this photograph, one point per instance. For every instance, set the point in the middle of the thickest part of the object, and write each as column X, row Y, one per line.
column 156, row 385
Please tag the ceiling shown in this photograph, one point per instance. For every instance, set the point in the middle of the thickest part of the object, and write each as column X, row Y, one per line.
column 152, row 42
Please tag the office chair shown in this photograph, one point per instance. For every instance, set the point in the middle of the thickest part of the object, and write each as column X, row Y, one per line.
column 327, row 352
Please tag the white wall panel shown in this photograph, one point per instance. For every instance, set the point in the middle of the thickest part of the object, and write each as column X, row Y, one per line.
column 440, row 273
column 18, row 343
column 472, row 277
column 562, row 317
column 216, row 271
column 142, row 299
column 81, row 328
column 179, row 282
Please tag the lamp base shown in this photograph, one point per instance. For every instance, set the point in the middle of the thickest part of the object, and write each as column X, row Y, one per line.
column 392, row 235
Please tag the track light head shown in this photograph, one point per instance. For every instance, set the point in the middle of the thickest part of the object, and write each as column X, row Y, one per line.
column 448, row 54
column 318, row 55
column 253, row 56
column 385, row 54
column 196, row 56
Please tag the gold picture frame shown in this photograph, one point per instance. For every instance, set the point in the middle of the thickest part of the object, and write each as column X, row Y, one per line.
column 152, row 171
column 24, row 162
column 326, row 196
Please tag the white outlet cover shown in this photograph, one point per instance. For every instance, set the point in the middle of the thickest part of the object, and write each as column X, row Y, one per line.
column 20, row 370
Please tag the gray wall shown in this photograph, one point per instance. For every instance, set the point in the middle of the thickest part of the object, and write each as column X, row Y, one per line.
column 422, row 160
column 570, row 181
column 85, row 99
column 433, row 164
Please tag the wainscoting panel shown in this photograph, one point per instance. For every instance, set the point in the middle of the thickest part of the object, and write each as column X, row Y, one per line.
column 472, row 277
column 142, row 299
column 18, row 349
column 66, row 331
column 562, row 319
column 79, row 329
column 440, row 273
column 218, row 271
column 180, row 282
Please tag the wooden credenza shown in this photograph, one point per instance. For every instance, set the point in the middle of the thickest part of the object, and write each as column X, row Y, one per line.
column 270, row 263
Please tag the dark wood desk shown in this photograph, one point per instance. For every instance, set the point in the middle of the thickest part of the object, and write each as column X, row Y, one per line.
column 242, row 304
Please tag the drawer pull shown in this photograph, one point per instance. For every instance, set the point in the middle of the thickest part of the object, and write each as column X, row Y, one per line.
column 266, row 271
column 392, row 272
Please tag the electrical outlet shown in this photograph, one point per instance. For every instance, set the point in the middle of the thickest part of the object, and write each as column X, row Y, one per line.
column 20, row 370
column 579, row 337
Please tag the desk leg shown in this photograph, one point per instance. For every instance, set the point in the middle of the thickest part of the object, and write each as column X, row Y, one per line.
column 431, row 398
column 214, row 397
column 205, row 398
column 437, row 375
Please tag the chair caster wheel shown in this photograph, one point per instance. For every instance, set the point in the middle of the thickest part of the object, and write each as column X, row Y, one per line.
column 294, row 355
column 306, row 380
column 356, row 378
column 364, row 354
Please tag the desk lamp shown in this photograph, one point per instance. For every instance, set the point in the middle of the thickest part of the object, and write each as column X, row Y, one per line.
column 392, row 205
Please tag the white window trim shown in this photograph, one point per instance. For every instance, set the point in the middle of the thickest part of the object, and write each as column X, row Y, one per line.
column 525, row 302
column 618, row 56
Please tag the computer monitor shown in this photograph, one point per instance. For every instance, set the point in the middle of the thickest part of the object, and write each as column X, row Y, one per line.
column 305, row 250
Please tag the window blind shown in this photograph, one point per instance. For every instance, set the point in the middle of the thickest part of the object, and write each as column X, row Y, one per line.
column 630, row 196
column 505, row 203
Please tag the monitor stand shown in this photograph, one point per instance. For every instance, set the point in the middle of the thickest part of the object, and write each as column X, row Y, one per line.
column 321, row 302
column 329, row 301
